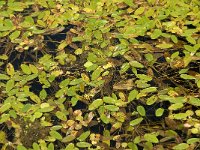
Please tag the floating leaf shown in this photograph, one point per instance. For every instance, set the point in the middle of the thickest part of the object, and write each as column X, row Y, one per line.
column 136, row 121
column 174, row 38
column 83, row 144
column 185, row 76
column 83, row 136
column 95, row 104
column 5, row 107
column 194, row 101
column 176, row 106
column 4, row 77
column 14, row 35
column 139, row 11
column 156, row 33
column 21, row 147
column 159, row 112
column 56, row 135
column 181, row 146
column 151, row 100
column 111, row 107
column 164, row 46
column 141, row 110
column 61, row 115
column 25, row 69
column 9, row 85
column 96, row 73
column 10, row 69
column 151, row 138
column 132, row 95
column 136, row 64
column 109, row 100
column 33, row 69
column 149, row 90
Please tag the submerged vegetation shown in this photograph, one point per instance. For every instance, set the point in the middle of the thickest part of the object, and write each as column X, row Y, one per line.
column 99, row 74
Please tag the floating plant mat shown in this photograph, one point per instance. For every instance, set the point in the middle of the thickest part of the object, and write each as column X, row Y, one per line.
column 118, row 74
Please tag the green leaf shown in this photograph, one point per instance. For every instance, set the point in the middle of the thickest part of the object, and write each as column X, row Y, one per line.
column 149, row 90
column 56, row 135
column 9, row 85
column 124, row 67
column 4, row 77
column 61, row 115
column 21, row 147
column 156, row 33
column 141, row 110
column 95, row 104
column 111, row 107
column 174, row 38
column 109, row 100
column 186, row 76
column 191, row 40
column 10, row 69
column 181, row 146
column 139, row 11
column 136, row 64
column 151, row 100
column 136, row 121
column 25, row 69
column 83, row 136
column 83, row 144
column 176, row 106
column 132, row 95
column 159, row 112
column 151, row 138
column 33, row 69
column 43, row 94
column 14, row 35
column 164, row 46
column 194, row 101
column 5, row 107
column 96, row 73
column 193, row 140
column 35, row 98
column 68, row 138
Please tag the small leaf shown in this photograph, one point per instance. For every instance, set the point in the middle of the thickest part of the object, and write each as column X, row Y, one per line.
column 132, row 95
column 181, row 146
column 21, row 147
column 139, row 11
column 159, row 112
column 141, row 110
column 156, row 33
column 33, row 69
column 176, row 106
column 4, row 77
column 83, row 136
column 109, row 100
column 136, row 121
column 149, row 90
column 151, row 138
column 10, row 69
column 96, row 73
column 61, row 115
column 185, row 76
column 174, row 38
column 25, row 69
column 136, row 64
column 111, row 107
column 9, row 85
column 164, row 45
column 56, row 135
column 83, row 144
column 5, row 107
column 151, row 100
column 95, row 104
column 14, row 35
